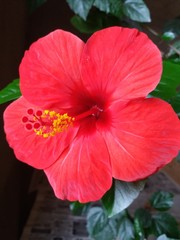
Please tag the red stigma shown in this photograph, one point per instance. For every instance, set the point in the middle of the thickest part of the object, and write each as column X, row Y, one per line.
column 30, row 111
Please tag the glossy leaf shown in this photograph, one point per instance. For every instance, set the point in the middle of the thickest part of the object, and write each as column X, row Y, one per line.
column 10, row 92
column 78, row 208
column 142, row 221
column 170, row 81
column 161, row 200
column 139, row 230
column 169, row 86
column 99, row 226
column 164, row 223
column 81, row 7
column 168, row 36
column 113, row 7
column 121, row 195
column 175, row 103
column 126, row 229
column 136, row 10
column 144, row 217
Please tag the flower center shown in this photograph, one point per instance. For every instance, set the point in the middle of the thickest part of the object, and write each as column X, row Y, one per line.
column 48, row 123
column 94, row 111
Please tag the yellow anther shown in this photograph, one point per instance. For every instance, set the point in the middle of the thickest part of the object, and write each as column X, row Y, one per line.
column 46, row 112
column 52, row 123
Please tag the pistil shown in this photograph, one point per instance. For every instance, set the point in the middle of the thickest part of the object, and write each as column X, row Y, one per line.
column 48, row 123
column 94, row 111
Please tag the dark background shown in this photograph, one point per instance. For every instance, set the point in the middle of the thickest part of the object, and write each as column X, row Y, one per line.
column 18, row 30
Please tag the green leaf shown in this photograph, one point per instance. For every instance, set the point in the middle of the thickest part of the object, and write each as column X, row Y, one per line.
column 164, row 237
column 143, row 216
column 34, row 4
column 136, row 10
column 99, row 226
column 168, row 36
column 126, row 229
column 121, row 195
column 175, row 103
column 142, row 220
column 161, row 200
column 173, row 26
column 81, row 7
column 170, row 81
column 139, row 230
column 78, row 208
column 10, row 92
column 169, row 86
column 113, row 7
column 164, row 223
column 96, row 20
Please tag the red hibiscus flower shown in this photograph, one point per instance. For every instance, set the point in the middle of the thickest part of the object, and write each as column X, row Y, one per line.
column 84, row 117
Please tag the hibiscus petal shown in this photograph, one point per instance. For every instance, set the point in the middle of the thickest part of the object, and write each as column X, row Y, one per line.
column 122, row 62
column 144, row 136
column 34, row 150
column 50, row 69
column 83, row 171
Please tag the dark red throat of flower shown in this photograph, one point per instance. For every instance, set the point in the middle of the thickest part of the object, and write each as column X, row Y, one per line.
column 48, row 123
column 94, row 111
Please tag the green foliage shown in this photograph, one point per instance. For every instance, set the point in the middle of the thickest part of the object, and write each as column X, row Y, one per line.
column 142, row 221
column 168, row 36
column 113, row 7
column 164, row 223
column 125, row 229
column 99, row 226
column 169, row 86
column 34, row 4
column 121, row 195
column 136, row 10
column 175, row 103
column 161, row 200
column 144, row 217
column 145, row 222
column 81, row 7
column 170, row 81
column 10, row 92
column 139, row 230
column 93, row 15
column 78, row 208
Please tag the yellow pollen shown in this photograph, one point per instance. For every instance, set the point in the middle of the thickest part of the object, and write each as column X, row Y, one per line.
column 52, row 123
